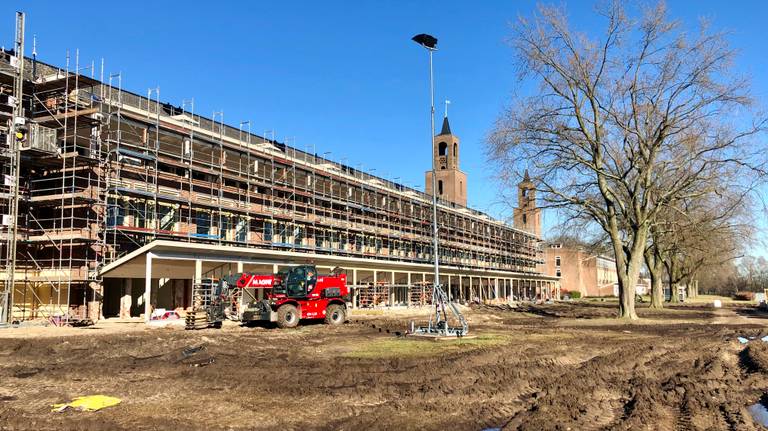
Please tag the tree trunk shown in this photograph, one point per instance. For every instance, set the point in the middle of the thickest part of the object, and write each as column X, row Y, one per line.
column 674, row 293
column 693, row 289
column 628, row 265
column 655, row 267
column 674, row 289
column 657, row 290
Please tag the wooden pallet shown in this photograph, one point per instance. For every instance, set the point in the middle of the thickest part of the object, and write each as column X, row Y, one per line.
column 197, row 320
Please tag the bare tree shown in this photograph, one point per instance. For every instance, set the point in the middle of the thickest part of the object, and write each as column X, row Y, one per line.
column 614, row 117
column 708, row 228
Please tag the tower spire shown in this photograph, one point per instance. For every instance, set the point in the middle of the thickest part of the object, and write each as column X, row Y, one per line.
column 446, row 130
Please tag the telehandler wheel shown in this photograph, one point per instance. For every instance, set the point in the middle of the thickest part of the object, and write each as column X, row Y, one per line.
column 287, row 316
column 335, row 314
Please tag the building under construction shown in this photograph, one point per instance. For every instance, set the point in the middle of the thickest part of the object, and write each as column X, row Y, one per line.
column 115, row 203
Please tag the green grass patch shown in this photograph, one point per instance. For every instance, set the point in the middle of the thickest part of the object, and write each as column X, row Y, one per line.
column 410, row 347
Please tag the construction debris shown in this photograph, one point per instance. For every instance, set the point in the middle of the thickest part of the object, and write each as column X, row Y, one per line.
column 90, row 403
column 195, row 356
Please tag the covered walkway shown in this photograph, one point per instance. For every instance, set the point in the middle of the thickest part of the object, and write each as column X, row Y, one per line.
column 161, row 274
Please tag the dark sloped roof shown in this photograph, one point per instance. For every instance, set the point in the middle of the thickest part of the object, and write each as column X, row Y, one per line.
column 446, row 130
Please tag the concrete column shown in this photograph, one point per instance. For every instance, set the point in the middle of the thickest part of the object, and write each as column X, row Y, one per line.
column 198, row 272
column 449, row 287
column 471, row 297
column 408, row 290
column 392, row 289
column 126, row 301
column 354, row 292
column 239, row 267
column 147, row 287
column 496, row 287
column 375, row 285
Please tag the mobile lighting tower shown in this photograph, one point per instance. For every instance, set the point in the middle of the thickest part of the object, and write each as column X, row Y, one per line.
column 438, row 320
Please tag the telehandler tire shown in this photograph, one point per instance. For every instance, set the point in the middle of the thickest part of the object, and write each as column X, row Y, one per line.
column 288, row 316
column 335, row 314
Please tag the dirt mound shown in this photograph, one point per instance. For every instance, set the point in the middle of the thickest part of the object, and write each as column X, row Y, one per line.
column 754, row 357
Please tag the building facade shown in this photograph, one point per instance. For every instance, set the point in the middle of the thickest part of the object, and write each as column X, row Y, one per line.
column 580, row 271
column 125, row 201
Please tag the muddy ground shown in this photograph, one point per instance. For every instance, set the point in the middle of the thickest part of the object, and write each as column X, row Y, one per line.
column 563, row 366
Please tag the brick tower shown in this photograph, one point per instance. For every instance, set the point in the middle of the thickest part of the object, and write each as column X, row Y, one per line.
column 527, row 215
column 451, row 181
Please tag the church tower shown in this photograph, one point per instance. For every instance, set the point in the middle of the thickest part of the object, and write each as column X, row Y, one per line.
column 451, row 181
column 527, row 216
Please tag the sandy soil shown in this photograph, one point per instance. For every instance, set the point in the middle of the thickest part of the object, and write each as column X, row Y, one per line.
column 563, row 366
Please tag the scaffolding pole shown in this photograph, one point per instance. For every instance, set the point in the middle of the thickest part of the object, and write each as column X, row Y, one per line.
column 16, row 126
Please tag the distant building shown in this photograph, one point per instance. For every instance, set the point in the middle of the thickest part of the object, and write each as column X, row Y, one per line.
column 580, row 271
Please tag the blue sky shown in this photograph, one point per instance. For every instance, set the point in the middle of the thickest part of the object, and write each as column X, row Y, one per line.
column 337, row 76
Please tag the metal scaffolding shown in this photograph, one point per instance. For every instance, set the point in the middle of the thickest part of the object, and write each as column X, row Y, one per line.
column 107, row 171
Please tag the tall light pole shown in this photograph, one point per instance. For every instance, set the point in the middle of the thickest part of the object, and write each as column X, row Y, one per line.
column 430, row 44
column 438, row 323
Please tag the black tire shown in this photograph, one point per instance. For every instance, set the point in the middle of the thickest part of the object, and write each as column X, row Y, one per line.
column 335, row 314
column 288, row 316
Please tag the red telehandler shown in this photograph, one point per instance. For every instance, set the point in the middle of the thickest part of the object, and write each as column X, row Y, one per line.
column 285, row 298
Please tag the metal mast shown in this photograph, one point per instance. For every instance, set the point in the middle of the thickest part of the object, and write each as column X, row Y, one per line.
column 438, row 323
column 435, row 229
column 17, row 133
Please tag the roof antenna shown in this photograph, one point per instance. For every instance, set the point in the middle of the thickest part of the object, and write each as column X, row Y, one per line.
column 447, row 102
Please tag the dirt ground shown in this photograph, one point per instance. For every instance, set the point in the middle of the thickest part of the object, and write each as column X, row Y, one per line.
column 562, row 366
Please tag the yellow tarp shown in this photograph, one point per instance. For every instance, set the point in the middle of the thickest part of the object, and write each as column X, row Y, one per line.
column 90, row 403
